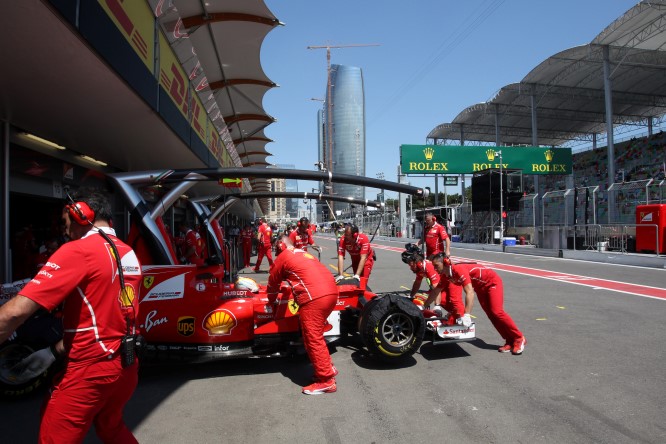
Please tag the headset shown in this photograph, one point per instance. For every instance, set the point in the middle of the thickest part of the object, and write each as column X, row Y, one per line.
column 354, row 231
column 80, row 212
column 304, row 222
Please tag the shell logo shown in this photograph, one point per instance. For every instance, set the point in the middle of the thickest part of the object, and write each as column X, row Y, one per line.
column 219, row 322
column 126, row 296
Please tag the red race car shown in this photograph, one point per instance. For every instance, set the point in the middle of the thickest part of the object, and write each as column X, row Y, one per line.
column 195, row 313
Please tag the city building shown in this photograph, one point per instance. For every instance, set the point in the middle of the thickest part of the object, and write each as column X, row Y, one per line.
column 346, row 142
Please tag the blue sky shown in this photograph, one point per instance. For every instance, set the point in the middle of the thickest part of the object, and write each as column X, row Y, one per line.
column 436, row 57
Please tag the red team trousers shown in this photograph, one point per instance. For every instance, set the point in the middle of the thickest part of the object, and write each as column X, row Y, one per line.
column 86, row 394
column 313, row 315
column 492, row 302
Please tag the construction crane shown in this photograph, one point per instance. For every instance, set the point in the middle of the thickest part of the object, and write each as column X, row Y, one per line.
column 328, row 157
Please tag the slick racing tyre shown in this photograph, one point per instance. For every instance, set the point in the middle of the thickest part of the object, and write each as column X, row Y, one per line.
column 391, row 327
column 349, row 280
column 12, row 385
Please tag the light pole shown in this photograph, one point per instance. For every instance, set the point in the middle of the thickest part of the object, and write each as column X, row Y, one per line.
column 499, row 153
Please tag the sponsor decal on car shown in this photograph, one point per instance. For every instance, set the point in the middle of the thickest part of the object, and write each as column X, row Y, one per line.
column 200, row 286
column 205, row 348
column 219, row 348
column 236, row 294
column 185, row 325
column 219, row 322
column 173, row 288
column 152, row 321
column 293, row 306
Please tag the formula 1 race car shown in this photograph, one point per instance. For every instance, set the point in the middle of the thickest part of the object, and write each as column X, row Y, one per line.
column 195, row 313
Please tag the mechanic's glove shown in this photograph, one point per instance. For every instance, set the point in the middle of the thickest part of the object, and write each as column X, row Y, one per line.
column 338, row 278
column 35, row 364
column 357, row 277
column 465, row 320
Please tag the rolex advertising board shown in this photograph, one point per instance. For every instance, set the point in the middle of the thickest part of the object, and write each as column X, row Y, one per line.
column 447, row 159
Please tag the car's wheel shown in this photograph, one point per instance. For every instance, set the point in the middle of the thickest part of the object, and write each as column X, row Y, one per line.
column 391, row 327
column 12, row 385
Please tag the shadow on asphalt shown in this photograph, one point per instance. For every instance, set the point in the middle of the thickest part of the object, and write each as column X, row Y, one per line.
column 445, row 351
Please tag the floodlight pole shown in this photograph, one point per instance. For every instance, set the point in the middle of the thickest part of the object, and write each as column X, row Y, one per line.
column 499, row 153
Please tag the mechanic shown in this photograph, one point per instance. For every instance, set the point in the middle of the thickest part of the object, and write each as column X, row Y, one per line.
column 191, row 245
column 489, row 290
column 96, row 383
column 265, row 243
column 360, row 251
column 316, row 294
column 436, row 239
column 424, row 268
column 301, row 237
column 246, row 236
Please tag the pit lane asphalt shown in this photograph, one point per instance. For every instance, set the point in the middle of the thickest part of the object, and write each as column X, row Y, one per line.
column 592, row 372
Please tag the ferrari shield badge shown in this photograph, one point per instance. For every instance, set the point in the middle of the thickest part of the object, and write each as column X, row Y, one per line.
column 293, row 306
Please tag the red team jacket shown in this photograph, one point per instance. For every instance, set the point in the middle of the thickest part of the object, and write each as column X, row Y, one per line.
column 359, row 246
column 301, row 240
column 434, row 238
column 309, row 279
column 94, row 311
column 481, row 278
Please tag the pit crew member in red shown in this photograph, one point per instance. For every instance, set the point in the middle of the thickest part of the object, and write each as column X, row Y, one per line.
column 246, row 236
column 424, row 268
column 192, row 245
column 490, row 291
column 301, row 237
column 83, row 273
column 316, row 294
column 264, row 237
column 362, row 256
column 436, row 239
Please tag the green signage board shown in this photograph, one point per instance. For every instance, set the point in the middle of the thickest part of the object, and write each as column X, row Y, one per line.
column 447, row 159
column 450, row 180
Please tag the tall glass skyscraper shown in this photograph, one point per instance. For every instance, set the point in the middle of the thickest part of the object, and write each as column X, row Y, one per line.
column 348, row 129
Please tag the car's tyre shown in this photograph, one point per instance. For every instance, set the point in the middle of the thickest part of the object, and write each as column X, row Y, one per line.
column 391, row 327
column 12, row 386
column 349, row 280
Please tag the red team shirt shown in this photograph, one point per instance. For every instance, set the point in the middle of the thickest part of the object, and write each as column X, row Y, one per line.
column 301, row 240
column 266, row 234
column 434, row 239
column 309, row 278
column 359, row 246
column 481, row 278
column 426, row 270
column 94, row 321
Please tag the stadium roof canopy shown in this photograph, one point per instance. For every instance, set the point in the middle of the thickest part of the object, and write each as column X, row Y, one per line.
column 225, row 37
column 568, row 88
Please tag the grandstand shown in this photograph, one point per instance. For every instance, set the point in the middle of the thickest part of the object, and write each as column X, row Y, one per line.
column 594, row 91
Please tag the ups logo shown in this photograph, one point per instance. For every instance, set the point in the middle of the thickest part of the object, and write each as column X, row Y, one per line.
column 185, row 325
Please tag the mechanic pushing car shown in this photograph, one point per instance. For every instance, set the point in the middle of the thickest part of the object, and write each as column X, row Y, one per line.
column 360, row 251
column 490, row 290
column 101, row 370
column 423, row 268
column 301, row 237
column 316, row 294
